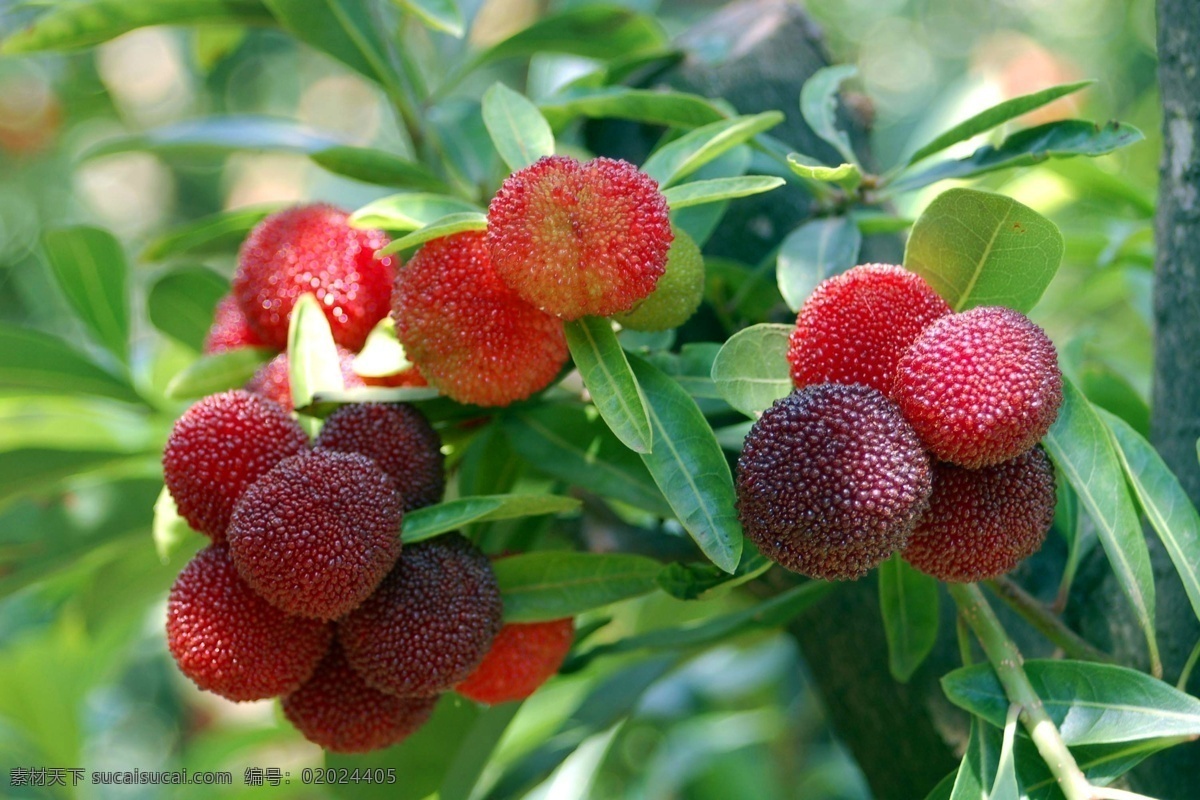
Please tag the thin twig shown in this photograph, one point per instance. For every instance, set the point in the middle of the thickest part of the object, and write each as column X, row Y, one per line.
column 1047, row 623
column 1186, row 674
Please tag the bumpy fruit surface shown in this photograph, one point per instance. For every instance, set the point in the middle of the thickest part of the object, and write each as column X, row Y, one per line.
column 980, row 387
column 430, row 622
column 579, row 239
column 317, row 534
column 855, row 327
column 273, row 379
column 522, row 658
column 399, row 440
column 230, row 641
column 340, row 712
column 218, row 448
column 470, row 336
column 230, row 330
column 312, row 248
column 831, row 481
column 981, row 523
column 678, row 293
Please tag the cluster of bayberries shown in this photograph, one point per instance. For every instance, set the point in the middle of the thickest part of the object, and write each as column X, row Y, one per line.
column 912, row 429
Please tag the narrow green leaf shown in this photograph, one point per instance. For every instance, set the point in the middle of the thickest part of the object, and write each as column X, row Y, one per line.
column 348, row 30
column 978, row 248
column 38, row 422
column 1163, row 500
column 33, row 361
column 382, row 354
column 409, row 211
column 552, row 584
column 848, row 176
column 711, row 191
column 475, row 751
column 181, row 303
column 378, row 167
column 66, row 26
column 313, row 363
column 220, row 135
column 818, row 106
column 430, row 521
column 217, row 373
column 444, row 226
column 675, row 161
column 607, row 375
column 169, row 530
column 816, row 250
column 871, row 223
column 1006, row 786
column 1109, row 389
column 908, row 600
column 518, row 130
column 1083, row 451
column 439, row 15
column 994, row 116
column 977, row 772
column 222, row 232
column 591, row 31
column 751, row 371
column 42, row 470
column 675, row 109
column 1090, row 703
column 91, row 271
column 689, row 467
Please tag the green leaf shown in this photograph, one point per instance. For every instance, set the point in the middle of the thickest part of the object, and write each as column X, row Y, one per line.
column 378, row 167
column 430, row 521
column 1063, row 139
column 409, row 212
column 1090, row 703
column 871, row 223
column 607, row 375
column 169, row 530
column 813, row 252
column 1163, row 500
column 32, row 361
column 68, row 26
column 444, row 226
column 438, row 15
column 1083, row 451
column 1006, row 787
column 978, row 249
column 818, row 106
column 219, row 136
column 326, row 402
column 674, row 109
column 994, row 116
column 711, row 191
column 91, row 271
column 313, row 363
column 1107, row 388
column 705, row 581
column 348, row 30
column 569, row 444
column 518, row 130
column 41, row 470
column 848, row 176
column 382, row 354
column 181, row 303
column 552, row 584
column 217, row 373
column 36, row 422
column 689, row 467
column 591, row 31
column 222, row 232
column 475, row 751
column 977, row 771
column 908, row 600
column 751, row 371
column 688, row 153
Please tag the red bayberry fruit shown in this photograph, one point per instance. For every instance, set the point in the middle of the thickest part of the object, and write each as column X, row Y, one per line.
column 230, row 641
column 831, row 481
column 273, row 379
column 470, row 336
column 579, row 239
column 430, row 622
column 522, row 658
column 230, row 330
column 855, row 327
column 980, row 387
column 317, row 534
column 339, row 711
column 219, row 447
column 312, row 248
column 399, row 440
column 981, row 523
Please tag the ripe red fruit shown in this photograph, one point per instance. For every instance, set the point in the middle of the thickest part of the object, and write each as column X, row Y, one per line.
column 855, row 327
column 831, row 481
column 339, row 711
column 522, row 658
column 579, row 239
column 980, row 387
column 982, row 523
column 470, row 336
column 273, row 379
column 317, row 534
column 230, row 641
column 430, row 622
column 219, row 447
column 312, row 248
column 230, row 330
column 399, row 440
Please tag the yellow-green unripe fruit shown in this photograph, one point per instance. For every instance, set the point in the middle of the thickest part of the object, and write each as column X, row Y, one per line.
column 678, row 293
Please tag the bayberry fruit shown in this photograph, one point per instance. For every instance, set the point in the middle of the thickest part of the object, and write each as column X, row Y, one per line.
column 523, row 657
column 230, row 330
column 678, row 293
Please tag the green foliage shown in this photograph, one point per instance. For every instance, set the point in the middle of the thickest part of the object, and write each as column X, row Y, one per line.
column 909, row 602
column 519, row 131
column 552, row 585
column 609, row 379
column 751, row 371
column 425, row 523
column 817, row 250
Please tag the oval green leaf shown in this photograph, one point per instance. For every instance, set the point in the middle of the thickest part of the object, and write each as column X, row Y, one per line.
column 217, row 233
column 409, row 211
column 181, row 303
column 90, row 267
column 220, row 135
column 217, row 373
column 751, row 371
column 552, row 585
column 674, row 109
column 34, row 361
column 607, row 375
column 818, row 249
column 430, row 521
column 518, row 130
column 378, row 167
column 818, row 106
column 445, row 226
column 680, row 158
column 438, row 15
column 908, row 600
column 711, row 191
column 591, row 31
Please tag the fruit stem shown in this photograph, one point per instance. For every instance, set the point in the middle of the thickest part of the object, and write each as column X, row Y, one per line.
column 1007, row 662
column 1047, row 623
